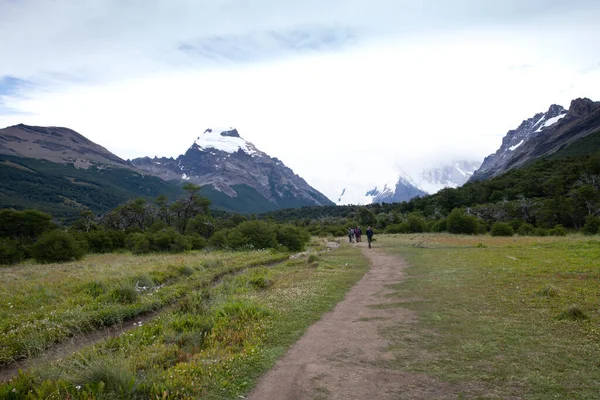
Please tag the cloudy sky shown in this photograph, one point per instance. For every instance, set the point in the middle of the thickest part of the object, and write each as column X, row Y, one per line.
column 345, row 92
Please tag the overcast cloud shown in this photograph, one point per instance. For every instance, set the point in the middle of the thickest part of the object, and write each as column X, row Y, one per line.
column 345, row 92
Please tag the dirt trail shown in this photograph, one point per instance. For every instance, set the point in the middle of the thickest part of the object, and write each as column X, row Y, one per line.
column 343, row 356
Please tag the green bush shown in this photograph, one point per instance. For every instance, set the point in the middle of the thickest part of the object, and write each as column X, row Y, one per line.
column 294, row 238
column 137, row 243
column 526, row 230
column 459, row 222
column 56, row 246
column 397, row 228
column 592, row 225
column 312, row 258
column 558, row 230
column 125, row 294
column 219, row 239
column 439, row 225
column 101, row 241
column 502, row 229
column 416, row 223
column 574, row 313
column 11, row 251
column 236, row 239
column 197, row 242
column 259, row 234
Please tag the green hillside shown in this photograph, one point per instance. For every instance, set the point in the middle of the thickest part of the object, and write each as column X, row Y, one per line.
column 63, row 190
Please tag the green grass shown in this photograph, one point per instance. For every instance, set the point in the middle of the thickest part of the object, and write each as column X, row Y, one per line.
column 514, row 318
column 43, row 304
column 213, row 344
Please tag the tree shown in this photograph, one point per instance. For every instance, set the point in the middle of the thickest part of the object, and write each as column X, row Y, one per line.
column 459, row 222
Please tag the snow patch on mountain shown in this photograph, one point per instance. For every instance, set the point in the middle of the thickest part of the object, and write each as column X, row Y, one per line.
column 227, row 140
column 551, row 121
column 512, row 148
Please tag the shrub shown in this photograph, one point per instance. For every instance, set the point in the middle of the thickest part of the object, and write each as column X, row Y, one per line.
column 260, row 234
column 416, row 223
column 95, row 288
column 397, row 228
column 592, row 225
column 439, row 225
column 294, row 238
column 526, row 230
column 312, row 258
column 236, row 239
column 502, row 229
column 56, row 246
column 125, row 294
column 574, row 313
column 558, row 230
column 459, row 222
column 101, row 241
column 197, row 242
column 11, row 251
column 219, row 239
column 169, row 240
column 548, row 291
column 137, row 243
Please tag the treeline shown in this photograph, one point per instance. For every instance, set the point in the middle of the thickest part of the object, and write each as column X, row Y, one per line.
column 141, row 226
column 547, row 197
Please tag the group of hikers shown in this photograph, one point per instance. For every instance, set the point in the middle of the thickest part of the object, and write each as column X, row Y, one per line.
column 355, row 235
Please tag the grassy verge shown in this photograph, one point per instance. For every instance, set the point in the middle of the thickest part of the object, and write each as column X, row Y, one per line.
column 501, row 317
column 214, row 344
column 42, row 304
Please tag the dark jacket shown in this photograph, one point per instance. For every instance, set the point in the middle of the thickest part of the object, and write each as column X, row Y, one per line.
column 369, row 233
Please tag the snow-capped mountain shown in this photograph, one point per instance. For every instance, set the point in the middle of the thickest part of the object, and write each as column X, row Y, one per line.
column 237, row 174
column 542, row 135
column 364, row 194
column 404, row 190
column 452, row 175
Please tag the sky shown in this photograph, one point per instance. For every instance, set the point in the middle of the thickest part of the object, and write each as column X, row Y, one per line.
column 347, row 93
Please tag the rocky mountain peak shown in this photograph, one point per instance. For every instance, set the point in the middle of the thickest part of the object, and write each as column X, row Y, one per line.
column 243, row 177
column 581, row 107
column 542, row 135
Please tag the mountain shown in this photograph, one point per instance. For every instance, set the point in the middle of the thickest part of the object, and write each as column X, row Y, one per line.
column 55, row 144
column 404, row 190
column 542, row 135
column 429, row 181
column 234, row 174
column 453, row 174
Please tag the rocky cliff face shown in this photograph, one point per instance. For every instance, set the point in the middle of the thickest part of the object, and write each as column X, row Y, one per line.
column 223, row 160
column 542, row 135
column 59, row 145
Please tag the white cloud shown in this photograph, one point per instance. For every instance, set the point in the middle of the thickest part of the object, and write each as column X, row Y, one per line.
column 345, row 93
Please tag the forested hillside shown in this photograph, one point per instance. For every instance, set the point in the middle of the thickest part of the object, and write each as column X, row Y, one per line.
column 64, row 191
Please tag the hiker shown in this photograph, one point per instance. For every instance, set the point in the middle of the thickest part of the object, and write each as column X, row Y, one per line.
column 351, row 235
column 358, row 234
column 369, row 235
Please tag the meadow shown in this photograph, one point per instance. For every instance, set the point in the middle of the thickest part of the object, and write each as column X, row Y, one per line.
column 515, row 317
column 214, row 341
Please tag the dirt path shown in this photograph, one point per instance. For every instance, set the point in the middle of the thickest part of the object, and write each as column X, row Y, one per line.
column 343, row 356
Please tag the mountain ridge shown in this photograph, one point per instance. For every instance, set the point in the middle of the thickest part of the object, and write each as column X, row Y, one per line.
column 542, row 135
column 222, row 159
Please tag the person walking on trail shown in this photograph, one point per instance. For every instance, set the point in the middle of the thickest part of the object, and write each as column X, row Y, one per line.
column 351, row 235
column 358, row 234
column 369, row 236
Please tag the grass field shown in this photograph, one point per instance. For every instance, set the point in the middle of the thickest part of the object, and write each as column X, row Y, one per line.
column 215, row 342
column 43, row 304
column 501, row 317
